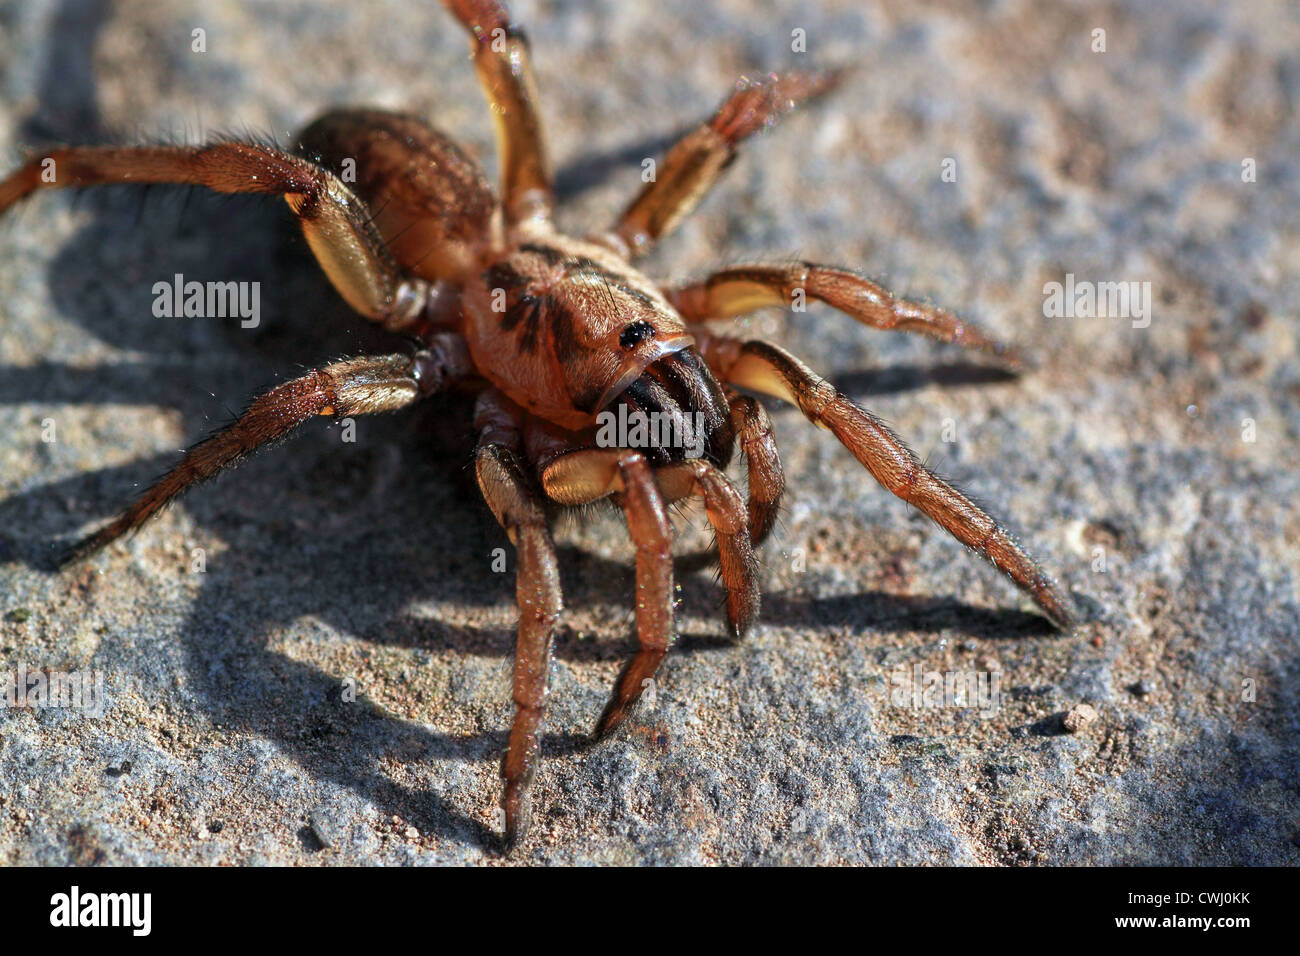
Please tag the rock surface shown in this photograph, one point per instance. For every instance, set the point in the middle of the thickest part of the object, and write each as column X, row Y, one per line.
column 1152, row 466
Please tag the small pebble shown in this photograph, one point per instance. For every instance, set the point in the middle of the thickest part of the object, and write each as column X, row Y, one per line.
column 1142, row 688
column 321, row 827
column 1080, row 716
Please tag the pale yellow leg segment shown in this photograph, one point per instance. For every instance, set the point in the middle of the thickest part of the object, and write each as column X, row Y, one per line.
column 741, row 289
column 766, row 368
column 334, row 221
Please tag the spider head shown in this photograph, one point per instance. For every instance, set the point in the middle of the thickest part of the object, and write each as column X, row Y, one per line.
column 572, row 332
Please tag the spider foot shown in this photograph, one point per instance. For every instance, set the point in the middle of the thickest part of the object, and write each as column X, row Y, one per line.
column 83, row 548
column 517, row 807
column 637, row 675
column 610, row 720
column 740, row 620
column 1056, row 606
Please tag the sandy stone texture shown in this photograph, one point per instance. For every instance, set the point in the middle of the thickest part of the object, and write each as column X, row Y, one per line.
column 1149, row 460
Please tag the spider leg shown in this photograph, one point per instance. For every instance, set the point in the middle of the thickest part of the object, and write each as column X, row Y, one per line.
column 766, row 368
column 762, row 462
column 501, row 60
column 356, row 386
column 588, row 475
column 518, row 508
column 740, row 289
column 584, row 476
column 725, row 508
column 694, row 163
column 336, row 224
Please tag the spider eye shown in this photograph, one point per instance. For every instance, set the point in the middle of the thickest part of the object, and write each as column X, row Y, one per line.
column 635, row 334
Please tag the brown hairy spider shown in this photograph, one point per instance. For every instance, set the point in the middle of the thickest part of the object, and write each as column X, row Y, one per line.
column 552, row 331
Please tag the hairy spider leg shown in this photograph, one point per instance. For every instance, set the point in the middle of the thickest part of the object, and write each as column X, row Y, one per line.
column 520, row 510
column 355, row 386
column 590, row 474
column 764, row 473
column 334, row 221
column 695, row 162
column 735, row 291
column 765, row 368
column 505, row 72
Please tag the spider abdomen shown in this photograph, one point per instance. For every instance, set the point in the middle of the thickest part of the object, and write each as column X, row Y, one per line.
column 430, row 200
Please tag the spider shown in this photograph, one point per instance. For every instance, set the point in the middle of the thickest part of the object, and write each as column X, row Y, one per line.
column 553, row 333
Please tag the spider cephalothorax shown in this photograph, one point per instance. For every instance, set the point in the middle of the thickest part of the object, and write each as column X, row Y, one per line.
column 594, row 382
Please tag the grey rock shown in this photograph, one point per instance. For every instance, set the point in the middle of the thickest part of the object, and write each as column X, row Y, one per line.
column 1151, row 468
